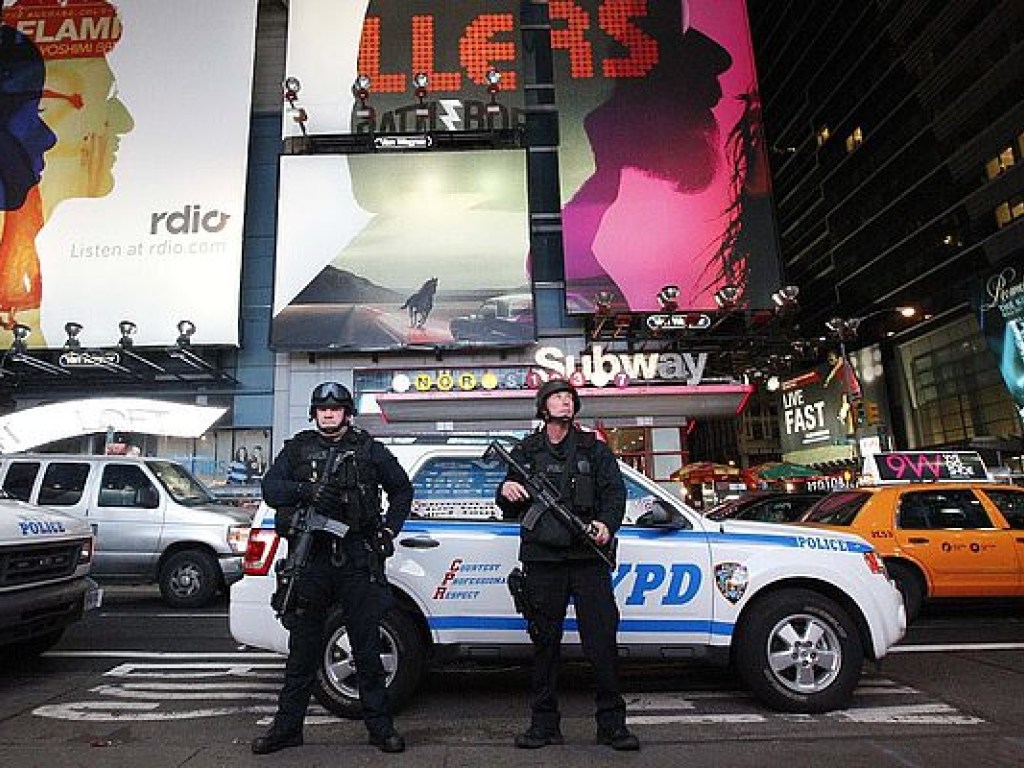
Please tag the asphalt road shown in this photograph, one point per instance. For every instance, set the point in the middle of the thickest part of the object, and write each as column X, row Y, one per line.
column 138, row 684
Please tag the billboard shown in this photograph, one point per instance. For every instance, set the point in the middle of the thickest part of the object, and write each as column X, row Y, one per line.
column 123, row 167
column 392, row 251
column 830, row 404
column 403, row 249
column 1001, row 317
column 662, row 161
column 454, row 44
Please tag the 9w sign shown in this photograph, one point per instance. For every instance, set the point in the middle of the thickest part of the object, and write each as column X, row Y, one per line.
column 923, row 466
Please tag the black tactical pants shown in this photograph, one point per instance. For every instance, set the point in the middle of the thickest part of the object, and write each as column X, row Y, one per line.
column 364, row 601
column 548, row 586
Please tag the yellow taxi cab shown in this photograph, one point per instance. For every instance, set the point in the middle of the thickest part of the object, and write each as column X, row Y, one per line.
column 939, row 538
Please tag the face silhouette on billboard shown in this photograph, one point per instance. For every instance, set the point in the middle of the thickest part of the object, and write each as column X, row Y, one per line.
column 77, row 139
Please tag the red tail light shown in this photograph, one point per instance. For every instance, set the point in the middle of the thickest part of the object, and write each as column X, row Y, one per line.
column 259, row 554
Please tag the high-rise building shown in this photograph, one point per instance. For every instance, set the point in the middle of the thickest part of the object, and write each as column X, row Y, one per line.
column 897, row 137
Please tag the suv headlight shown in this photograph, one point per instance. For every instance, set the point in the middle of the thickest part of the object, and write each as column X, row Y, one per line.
column 238, row 538
column 85, row 553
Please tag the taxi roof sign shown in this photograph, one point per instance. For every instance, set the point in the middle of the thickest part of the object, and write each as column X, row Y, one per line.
column 924, row 466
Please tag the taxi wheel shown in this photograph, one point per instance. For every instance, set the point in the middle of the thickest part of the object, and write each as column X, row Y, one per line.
column 189, row 579
column 401, row 652
column 911, row 586
column 799, row 651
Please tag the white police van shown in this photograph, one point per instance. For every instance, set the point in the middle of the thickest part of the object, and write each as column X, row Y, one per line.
column 45, row 558
column 797, row 611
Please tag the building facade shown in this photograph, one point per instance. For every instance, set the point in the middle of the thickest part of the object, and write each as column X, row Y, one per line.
column 897, row 138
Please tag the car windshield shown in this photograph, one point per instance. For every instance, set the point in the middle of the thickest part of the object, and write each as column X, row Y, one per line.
column 838, row 508
column 179, row 482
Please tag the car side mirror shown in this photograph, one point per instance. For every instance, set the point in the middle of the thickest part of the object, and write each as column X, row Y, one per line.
column 658, row 515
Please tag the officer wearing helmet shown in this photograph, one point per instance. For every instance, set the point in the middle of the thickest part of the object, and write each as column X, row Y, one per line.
column 349, row 571
column 557, row 567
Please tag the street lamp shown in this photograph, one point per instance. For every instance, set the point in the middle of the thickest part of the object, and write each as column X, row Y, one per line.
column 845, row 329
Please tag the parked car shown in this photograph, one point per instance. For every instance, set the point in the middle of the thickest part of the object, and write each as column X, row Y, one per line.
column 937, row 539
column 44, row 585
column 153, row 521
column 765, row 507
column 796, row 612
column 507, row 318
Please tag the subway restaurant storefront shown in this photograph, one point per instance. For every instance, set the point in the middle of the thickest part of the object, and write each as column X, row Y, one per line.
column 642, row 404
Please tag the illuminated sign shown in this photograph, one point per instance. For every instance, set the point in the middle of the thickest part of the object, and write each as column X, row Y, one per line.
column 600, row 368
column 917, row 466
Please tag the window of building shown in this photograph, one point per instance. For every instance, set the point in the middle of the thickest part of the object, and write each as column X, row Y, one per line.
column 1000, row 163
column 824, row 134
column 1009, row 211
column 855, row 139
column 955, row 389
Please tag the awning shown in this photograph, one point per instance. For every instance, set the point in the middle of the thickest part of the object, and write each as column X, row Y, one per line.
column 650, row 406
column 24, row 430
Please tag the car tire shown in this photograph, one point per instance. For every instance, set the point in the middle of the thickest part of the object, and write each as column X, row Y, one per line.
column 911, row 586
column 402, row 653
column 799, row 651
column 189, row 579
column 24, row 650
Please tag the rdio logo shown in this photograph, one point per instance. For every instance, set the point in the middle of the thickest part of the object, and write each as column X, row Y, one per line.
column 189, row 221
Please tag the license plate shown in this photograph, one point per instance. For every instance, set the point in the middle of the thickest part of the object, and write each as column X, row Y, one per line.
column 93, row 599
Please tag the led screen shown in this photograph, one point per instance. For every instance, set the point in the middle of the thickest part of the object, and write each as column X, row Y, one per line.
column 1000, row 307
column 662, row 162
column 388, row 251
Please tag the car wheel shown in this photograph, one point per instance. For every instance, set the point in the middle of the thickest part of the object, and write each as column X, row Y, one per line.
column 24, row 650
column 798, row 651
column 401, row 652
column 189, row 579
column 911, row 586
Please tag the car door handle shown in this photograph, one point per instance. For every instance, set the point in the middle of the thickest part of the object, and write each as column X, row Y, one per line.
column 917, row 540
column 420, row 542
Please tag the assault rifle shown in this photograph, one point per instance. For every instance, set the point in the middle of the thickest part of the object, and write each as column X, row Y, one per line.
column 305, row 523
column 546, row 499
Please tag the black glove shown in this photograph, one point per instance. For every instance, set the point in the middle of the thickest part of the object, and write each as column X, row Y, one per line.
column 329, row 500
column 384, row 542
column 307, row 492
column 283, row 521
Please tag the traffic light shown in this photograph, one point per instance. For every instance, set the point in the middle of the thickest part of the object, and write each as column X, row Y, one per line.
column 859, row 415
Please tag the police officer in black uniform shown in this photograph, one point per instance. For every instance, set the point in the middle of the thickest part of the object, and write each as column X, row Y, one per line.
column 557, row 567
column 350, row 570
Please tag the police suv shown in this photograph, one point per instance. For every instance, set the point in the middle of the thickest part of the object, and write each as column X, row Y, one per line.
column 44, row 586
column 796, row 611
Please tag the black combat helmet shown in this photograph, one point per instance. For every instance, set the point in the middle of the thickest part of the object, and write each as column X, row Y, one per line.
column 548, row 388
column 331, row 393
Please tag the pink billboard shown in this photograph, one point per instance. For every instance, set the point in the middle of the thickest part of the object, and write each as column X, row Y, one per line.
column 662, row 160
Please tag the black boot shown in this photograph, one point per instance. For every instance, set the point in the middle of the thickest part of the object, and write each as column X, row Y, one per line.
column 274, row 741
column 392, row 742
column 536, row 737
column 619, row 739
